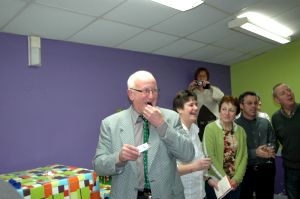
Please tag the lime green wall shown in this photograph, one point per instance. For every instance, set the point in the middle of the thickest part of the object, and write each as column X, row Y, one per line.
column 261, row 73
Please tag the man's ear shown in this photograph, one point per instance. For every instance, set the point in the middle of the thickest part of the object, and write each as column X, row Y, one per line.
column 130, row 94
column 276, row 100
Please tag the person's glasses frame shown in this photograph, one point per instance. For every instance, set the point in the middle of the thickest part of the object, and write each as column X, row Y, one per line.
column 147, row 91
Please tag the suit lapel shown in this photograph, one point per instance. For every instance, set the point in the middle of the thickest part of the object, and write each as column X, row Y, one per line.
column 126, row 129
column 154, row 143
column 127, row 133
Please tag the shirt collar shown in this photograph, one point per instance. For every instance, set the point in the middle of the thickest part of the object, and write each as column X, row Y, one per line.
column 135, row 116
column 243, row 118
column 292, row 112
column 218, row 122
column 184, row 127
column 193, row 127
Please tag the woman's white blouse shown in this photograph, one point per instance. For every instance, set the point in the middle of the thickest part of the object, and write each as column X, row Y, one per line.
column 193, row 182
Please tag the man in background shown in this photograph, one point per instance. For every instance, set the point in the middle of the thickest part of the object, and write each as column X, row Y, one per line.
column 286, row 123
column 261, row 170
column 259, row 113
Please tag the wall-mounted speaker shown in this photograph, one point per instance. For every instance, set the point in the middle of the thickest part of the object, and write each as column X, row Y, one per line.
column 34, row 51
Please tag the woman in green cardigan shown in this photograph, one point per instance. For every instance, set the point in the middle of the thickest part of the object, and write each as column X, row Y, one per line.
column 225, row 143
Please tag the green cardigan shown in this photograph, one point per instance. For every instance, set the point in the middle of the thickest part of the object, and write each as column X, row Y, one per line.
column 213, row 146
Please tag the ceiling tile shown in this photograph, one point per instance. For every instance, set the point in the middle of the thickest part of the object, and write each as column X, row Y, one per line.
column 231, row 6
column 253, row 45
column 141, row 13
column 89, row 7
column 187, row 22
column 8, row 8
column 204, row 53
column 143, row 25
column 179, row 48
column 225, row 57
column 47, row 22
column 291, row 18
column 233, row 40
column 212, row 32
column 147, row 41
column 272, row 8
column 239, row 59
column 261, row 50
column 105, row 33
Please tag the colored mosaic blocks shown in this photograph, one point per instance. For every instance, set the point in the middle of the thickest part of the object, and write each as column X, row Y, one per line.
column 105, row 185
column 56, row 182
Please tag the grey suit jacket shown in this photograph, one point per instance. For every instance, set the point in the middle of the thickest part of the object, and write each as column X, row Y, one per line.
column 7, row 191
column 117, row 130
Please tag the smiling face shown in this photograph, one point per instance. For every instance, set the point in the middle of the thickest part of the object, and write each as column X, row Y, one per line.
column 137, row 92
column 249, row 106
column 188, row 113
column 227, row 112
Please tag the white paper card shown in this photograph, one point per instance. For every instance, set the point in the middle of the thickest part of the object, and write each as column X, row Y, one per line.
column 224, row 187
column 143, row 147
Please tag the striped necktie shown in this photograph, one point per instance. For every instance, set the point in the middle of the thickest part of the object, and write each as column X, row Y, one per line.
column 146, row 138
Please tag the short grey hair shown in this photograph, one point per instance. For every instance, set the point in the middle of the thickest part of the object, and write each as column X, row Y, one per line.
column 138, row 75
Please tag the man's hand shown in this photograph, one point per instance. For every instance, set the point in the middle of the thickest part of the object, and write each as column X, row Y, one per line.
column 262, row 152
column 128, row 152
column 153, row 115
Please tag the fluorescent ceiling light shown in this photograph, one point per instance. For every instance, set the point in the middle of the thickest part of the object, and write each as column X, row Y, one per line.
column 181, row 5
column 256, row 24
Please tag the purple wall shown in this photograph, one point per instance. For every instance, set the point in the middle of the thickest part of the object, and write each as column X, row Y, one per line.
column 52, row 114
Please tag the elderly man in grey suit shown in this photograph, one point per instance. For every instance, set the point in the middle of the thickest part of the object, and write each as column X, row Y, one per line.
column 118, row 155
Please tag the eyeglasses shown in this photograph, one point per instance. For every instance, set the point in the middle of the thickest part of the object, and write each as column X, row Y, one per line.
column 147, row 91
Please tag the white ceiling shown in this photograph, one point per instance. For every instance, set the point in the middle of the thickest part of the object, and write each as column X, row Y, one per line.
column 145, row 26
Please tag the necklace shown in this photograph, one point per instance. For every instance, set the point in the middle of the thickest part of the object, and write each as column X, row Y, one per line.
column 228, row 131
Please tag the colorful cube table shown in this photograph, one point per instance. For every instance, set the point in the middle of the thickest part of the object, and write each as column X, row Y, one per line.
column 56, row 182
column 105, row 185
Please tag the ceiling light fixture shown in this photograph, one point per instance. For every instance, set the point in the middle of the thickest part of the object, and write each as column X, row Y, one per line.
column 181, row 5
column 256, row 24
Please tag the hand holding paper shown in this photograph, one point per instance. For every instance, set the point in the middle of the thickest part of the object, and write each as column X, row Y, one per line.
column 224, row 187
